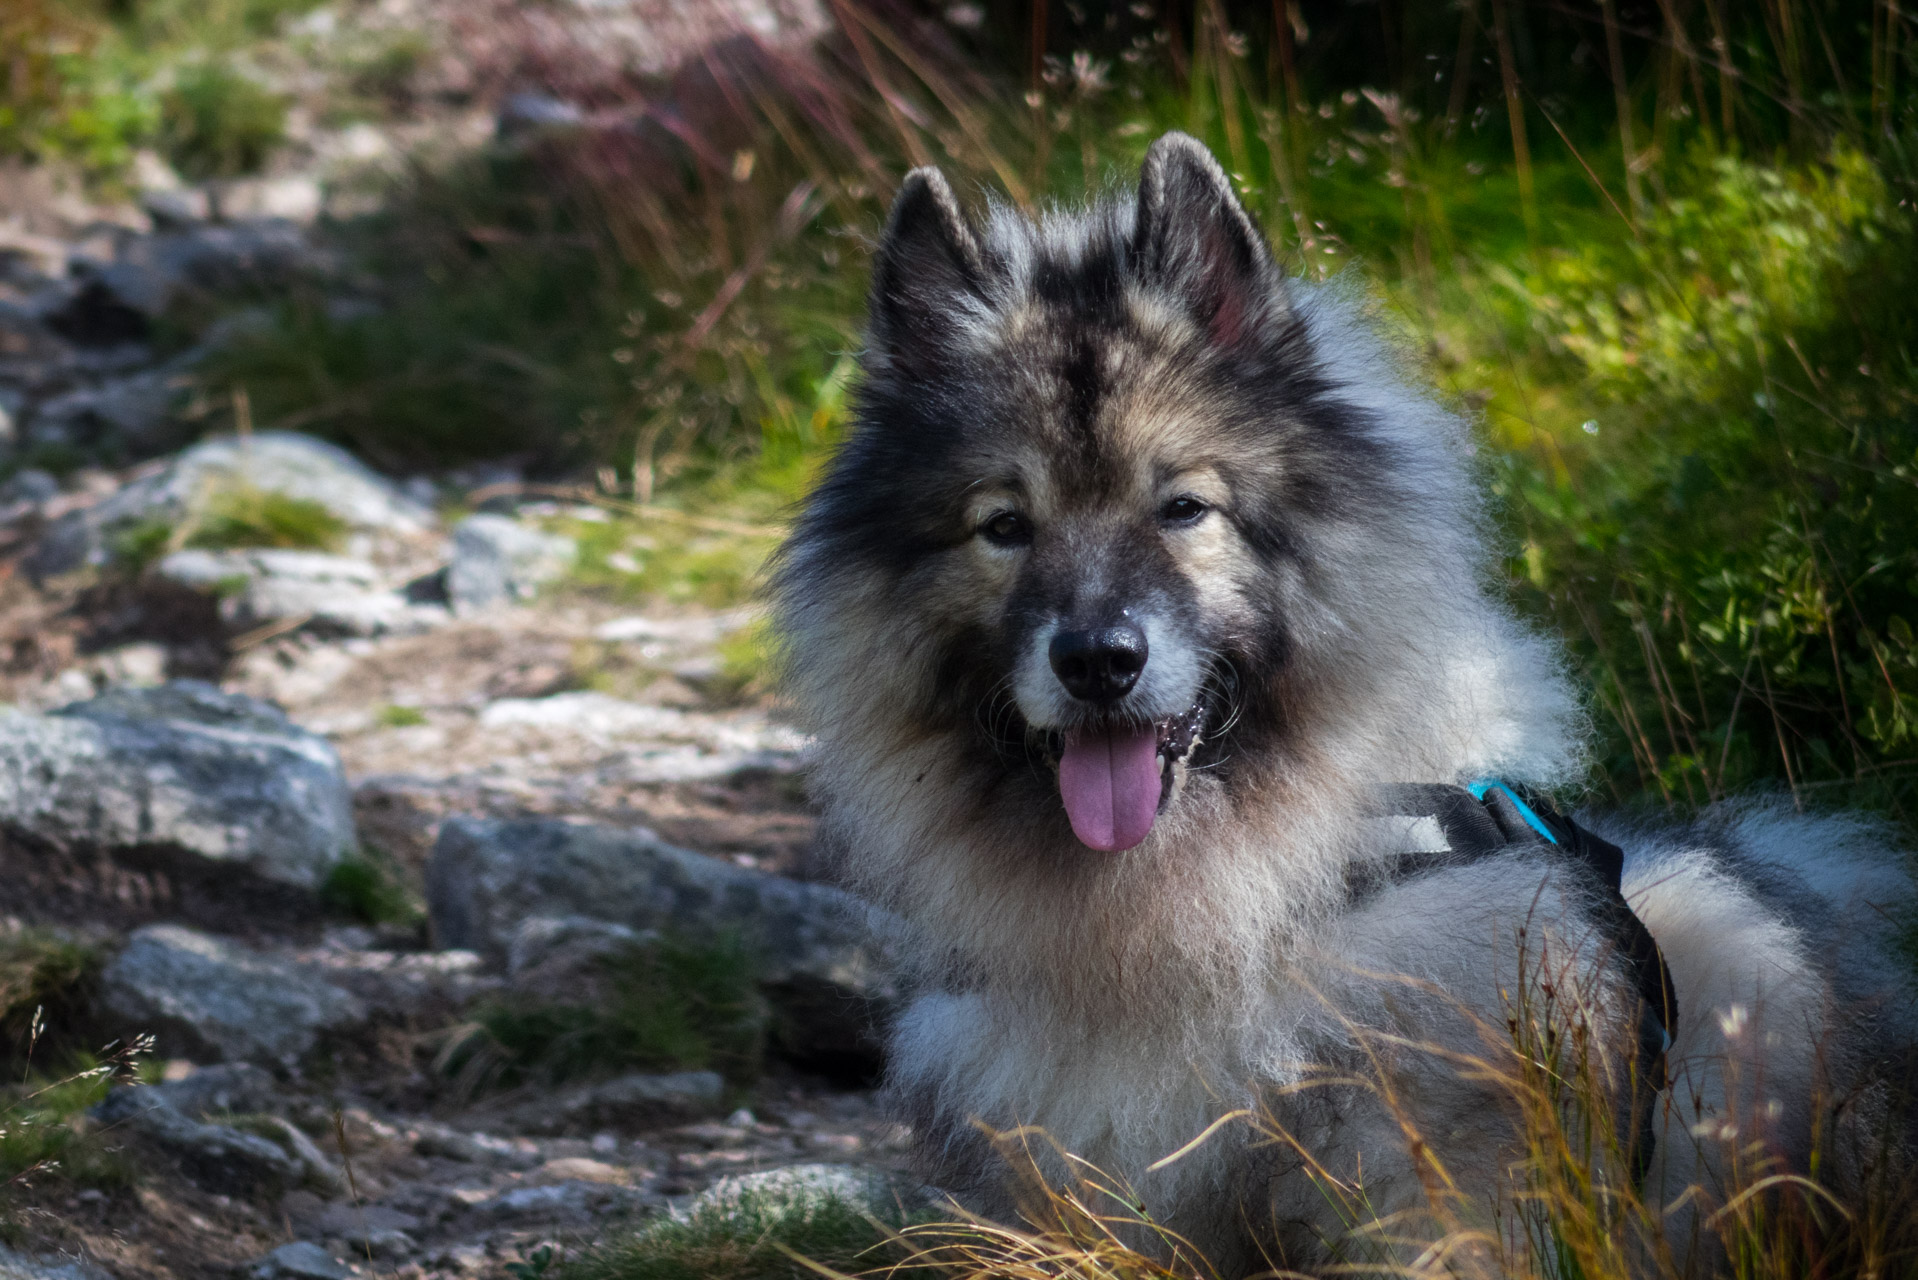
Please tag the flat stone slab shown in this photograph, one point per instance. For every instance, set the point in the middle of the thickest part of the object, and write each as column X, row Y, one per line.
column 208, row 998
column 182, row 768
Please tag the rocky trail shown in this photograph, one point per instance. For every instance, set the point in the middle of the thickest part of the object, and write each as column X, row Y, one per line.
column 419, row 898
column 199, row 749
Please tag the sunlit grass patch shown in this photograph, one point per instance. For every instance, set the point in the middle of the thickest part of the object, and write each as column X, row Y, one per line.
column 231, row 517
column 755, row 1236
column 663, row 560
column 399, row 716
column 44, row 1133
column 668, row 1005
column 244, row 515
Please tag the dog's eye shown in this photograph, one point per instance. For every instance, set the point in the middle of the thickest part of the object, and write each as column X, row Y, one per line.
column 1007, row 529
column 1184, row 509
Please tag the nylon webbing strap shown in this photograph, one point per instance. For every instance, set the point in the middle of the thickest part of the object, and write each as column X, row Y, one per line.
column 1491, row 817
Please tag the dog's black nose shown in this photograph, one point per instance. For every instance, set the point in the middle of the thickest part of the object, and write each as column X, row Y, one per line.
column 1100, row 665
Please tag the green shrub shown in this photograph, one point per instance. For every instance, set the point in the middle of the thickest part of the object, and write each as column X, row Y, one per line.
column 217, row 123
column 672, row 1005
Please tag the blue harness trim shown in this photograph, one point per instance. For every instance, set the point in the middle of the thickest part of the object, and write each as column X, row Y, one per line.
column 1482, row 785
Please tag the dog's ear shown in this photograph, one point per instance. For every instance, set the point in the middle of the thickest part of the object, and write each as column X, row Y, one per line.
column 927, row 278
column 1194, row 238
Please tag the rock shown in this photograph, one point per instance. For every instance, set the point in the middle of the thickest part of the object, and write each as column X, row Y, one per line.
column 213, row 778
column 132, row 413
column 301, row 1260
column 582, row 1169
column 142, row 663
column 296, row 198
column 561, row 957
column 333, row 595
column 680, row 746
column 218, row 1157
column 568, row 1203
column 496, row 559
column 524, row 113
column 823, row 962
column 255, row 255
column 804, row 1189
column 272, row 461
column 20, row 1266
column 381, row 1242
column 428, row 985
column 359, row 1221
column 29, row 487
column 227, row 1088
column 175, row 210
column 472, row 1148
column 208, row 998
column 635, row 1101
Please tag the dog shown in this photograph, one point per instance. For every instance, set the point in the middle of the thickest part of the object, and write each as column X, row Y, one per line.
column 1142, row 572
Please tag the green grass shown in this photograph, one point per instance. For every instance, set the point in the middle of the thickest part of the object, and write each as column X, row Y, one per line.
column 44, row 1134
column 673, row 1005
column 216, row 122
column 1700, row 408
column 369, row 889
column 231, row 517
column 243, row 515
column 46, row 980
column 754, row 1238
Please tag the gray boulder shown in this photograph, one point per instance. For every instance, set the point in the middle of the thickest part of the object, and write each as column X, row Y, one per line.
column 21, row 1266
column 564, row 957
column 824, row 963
column 639, row 1100
column 801, row 1190
column 218, row 1157
column 134, row 412
column 208, row 998
column 335, row 595
column 212, row 777
column 496, row 560
column 572, row 1203
column 229, row 1088
column 272, row 461
column 301, row 1260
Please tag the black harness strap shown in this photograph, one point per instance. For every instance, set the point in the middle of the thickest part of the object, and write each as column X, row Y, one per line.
column 1508, row 817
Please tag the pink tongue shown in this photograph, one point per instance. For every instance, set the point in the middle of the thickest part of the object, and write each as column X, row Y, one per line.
column 1110, row 783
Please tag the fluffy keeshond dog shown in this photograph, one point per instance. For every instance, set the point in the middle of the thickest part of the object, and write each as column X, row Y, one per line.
column 1144, row 591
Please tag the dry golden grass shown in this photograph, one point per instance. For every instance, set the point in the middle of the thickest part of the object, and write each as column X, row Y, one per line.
column 1567, row 1202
